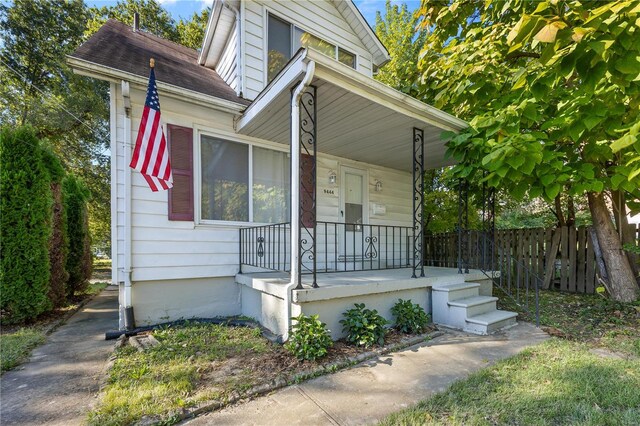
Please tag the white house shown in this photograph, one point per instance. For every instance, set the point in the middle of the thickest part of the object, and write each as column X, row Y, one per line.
column 297, row 176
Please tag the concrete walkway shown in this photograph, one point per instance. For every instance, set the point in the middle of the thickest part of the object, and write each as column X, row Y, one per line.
column 374, row 389
column 60, row 381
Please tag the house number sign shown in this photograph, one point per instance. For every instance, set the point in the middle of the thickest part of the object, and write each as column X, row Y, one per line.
column 332, row 192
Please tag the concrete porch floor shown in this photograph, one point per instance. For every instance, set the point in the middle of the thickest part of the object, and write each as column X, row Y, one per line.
column 351, row 283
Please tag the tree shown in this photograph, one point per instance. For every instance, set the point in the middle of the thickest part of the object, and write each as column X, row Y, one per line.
column 153, row 17
column 397, row 32
column 38, row 88
column 551, row 91
column 191, row 32
column 25, row 226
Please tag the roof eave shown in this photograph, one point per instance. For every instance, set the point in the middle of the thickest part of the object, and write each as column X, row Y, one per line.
column 382, row 56
column 102, row 72
column 210, row 32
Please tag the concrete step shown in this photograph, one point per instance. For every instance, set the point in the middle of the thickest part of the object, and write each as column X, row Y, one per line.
column 472, row 306
column 458, row 291
column 490, row 322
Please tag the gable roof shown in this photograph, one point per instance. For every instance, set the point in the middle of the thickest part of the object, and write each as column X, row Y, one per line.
column 221, row 22
column 359, row 25
column 118, row 47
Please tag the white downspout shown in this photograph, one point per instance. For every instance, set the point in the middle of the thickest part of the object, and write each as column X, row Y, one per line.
column 295, row 193
column 129, row 321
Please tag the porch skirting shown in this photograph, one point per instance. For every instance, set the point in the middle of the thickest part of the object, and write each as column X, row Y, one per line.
column 263, row 298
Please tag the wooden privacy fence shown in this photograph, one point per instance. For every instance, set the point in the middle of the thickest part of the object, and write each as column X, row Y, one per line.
column 565, row 258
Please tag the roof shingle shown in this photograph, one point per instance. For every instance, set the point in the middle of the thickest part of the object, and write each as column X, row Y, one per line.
column 116, row 45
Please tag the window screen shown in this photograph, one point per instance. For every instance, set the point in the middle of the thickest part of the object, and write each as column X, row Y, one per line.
column 225, row 180
column 271, row 183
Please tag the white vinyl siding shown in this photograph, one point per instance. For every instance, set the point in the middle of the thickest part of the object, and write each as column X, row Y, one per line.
column 168, row 250
column 320, row 18
column 227, row 67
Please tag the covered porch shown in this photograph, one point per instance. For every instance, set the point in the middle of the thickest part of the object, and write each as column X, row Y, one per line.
column 327, row 258
column 318, row 106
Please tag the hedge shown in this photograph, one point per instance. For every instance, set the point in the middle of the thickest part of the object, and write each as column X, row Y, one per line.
column 25, row 226
column 76, row 194
column 58, row 275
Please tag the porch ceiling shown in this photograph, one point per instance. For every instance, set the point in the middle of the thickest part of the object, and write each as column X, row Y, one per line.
column 357, row 117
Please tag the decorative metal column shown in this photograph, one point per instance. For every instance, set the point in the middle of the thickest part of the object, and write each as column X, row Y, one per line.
column 308, row 172
column 418, row 202
column 463, row 226
column 488, row 226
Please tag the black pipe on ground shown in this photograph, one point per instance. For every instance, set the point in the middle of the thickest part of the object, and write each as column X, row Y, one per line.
column 234, row 322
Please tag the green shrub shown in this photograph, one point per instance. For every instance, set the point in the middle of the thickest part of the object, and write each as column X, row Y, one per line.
column 364, row 327
column 25, row 226
column 410, row 317
column 76, row 195
column 309, row 338
column 58, row 275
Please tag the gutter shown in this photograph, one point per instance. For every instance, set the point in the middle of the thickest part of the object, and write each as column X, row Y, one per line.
column 295, row 194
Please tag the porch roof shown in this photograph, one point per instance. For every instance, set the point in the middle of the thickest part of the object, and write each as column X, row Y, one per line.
column 357, row 117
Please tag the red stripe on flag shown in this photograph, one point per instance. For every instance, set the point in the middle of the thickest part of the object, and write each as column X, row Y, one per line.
column 150, row 143
column 143, row 125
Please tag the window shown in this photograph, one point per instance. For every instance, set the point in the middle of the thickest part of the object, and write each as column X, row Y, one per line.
column 230, row 190
column 284, row 39
column 271, row 183
column 346, row 57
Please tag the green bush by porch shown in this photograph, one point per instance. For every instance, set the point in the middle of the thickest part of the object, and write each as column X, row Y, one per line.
column 364, row 327
column 309, row 338
column 410, row 317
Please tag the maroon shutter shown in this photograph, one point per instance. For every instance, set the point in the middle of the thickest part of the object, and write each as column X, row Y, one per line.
column 307, row 182
column 180, row 140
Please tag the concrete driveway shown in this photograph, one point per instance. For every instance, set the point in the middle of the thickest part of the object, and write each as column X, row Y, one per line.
column 59, row 383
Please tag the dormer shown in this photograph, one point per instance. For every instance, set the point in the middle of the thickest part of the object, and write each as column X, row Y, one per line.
column 248, row 42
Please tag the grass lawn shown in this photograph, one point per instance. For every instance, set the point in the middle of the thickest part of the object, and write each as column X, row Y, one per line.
column 198, row 362
column 15, row 347
column 171, row 376
column 589, row 374
column 17, row 342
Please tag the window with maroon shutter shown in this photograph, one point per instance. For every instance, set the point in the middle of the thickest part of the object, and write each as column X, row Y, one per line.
column 180, row 140
column 307, row 190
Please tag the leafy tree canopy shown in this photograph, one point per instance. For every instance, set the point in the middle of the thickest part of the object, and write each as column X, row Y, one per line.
column 72, row 112
column 551, row 92
column 396, row 29
column 550, row 89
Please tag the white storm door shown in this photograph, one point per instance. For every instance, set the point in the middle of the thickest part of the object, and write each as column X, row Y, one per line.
column 354, row 212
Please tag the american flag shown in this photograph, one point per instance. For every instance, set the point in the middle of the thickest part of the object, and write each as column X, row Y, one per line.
column 151, row 156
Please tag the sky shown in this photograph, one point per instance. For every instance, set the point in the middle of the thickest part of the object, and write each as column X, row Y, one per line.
column 185, row 8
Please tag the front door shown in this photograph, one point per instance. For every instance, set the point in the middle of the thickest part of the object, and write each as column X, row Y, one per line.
column 354, row 212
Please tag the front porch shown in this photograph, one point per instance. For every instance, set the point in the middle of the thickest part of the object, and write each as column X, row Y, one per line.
column 355, row 231
column 264, row 293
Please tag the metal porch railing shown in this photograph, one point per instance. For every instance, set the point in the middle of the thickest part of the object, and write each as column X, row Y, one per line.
column 339, row 247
